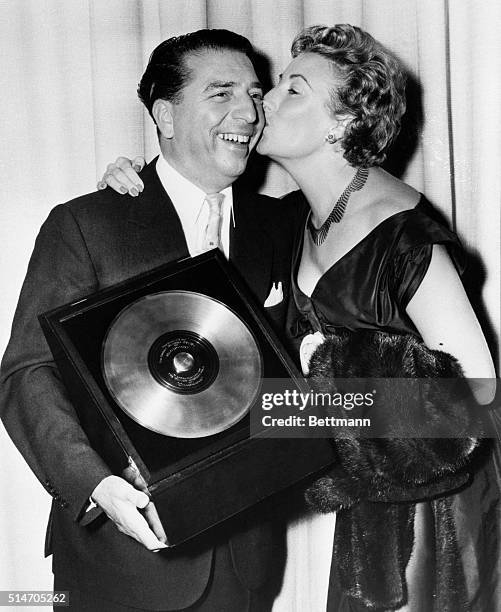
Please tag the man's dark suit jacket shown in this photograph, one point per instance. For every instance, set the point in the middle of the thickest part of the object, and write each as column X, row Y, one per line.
column 85, row 245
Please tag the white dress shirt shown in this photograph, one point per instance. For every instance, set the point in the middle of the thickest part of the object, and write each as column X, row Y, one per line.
column 192, row 209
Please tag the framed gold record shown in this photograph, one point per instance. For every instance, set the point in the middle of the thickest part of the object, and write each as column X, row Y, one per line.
column 164, row 371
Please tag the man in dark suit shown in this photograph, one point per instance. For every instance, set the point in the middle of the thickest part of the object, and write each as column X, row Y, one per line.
column 202, row 91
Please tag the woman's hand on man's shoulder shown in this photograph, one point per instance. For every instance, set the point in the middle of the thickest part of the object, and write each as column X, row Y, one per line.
column 122, row 176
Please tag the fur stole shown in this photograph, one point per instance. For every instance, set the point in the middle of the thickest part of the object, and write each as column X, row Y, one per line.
column 374, row 540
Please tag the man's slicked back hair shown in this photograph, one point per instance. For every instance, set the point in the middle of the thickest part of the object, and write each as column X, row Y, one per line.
column 167, row 71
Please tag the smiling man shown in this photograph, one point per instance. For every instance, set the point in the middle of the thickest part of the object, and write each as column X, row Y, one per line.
column 208, row 129
column 202, row 91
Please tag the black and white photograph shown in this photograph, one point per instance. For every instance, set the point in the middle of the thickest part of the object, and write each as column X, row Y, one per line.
column 212, row 208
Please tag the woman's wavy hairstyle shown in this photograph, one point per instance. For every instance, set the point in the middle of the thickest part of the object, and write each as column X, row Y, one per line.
column 370, row 88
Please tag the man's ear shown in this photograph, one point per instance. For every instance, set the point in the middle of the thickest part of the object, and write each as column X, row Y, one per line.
column 162, row 113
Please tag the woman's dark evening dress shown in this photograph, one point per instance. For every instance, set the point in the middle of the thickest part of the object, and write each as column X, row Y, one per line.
column 370, row 287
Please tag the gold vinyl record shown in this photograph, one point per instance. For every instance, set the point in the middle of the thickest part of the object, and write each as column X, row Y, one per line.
column 181, row 364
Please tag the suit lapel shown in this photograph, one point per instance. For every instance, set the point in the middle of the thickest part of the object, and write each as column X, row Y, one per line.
column 157, row 229
column 251, row 248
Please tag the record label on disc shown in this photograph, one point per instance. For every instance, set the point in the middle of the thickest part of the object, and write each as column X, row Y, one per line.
column 181, row 364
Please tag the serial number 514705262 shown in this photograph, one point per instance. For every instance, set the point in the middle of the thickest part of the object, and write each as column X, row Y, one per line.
column 34, row 598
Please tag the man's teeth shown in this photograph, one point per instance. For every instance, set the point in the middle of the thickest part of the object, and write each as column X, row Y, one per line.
column 235, row 138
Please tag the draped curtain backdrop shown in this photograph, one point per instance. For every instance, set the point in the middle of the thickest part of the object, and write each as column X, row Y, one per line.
column 69, row 74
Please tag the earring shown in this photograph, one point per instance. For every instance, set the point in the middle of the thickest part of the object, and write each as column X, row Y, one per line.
column 330, row 138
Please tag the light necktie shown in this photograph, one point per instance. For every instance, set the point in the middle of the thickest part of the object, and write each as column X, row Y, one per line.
column 212, row 235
